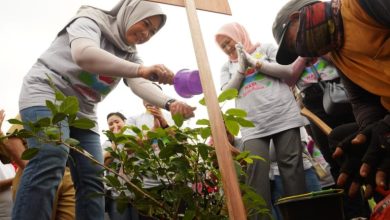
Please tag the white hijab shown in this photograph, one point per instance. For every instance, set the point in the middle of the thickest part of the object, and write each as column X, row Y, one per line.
column 114, row 23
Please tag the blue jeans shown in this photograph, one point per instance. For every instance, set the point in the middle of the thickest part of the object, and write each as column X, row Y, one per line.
column 130, row 213
column 312, row 184
column 43, row 173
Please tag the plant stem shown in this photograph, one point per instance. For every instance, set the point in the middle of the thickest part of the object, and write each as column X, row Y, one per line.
column 125, row 178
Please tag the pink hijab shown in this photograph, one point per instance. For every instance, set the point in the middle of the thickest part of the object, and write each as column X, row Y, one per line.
column 238, row 33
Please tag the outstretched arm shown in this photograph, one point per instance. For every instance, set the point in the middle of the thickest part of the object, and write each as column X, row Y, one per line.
column 150, row 93
column 85, row 37
column 289, row 73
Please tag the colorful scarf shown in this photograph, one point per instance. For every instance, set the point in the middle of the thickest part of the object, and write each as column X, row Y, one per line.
column 320, row 29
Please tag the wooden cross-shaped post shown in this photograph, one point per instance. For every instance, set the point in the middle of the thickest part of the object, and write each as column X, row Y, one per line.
column 222, row 146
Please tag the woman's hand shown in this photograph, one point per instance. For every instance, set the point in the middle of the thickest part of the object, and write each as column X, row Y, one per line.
column 157, row 73
column 158, row 115
column 179, row 107
column 241, row 57
column 2, row 116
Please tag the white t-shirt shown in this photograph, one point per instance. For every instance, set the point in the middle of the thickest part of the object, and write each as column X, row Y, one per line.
column 268, row 101
column 7, row 171
column 147, row 119
column 67, row 76
column 310, row 75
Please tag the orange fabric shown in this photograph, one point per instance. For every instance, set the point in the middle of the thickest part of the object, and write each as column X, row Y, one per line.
column 365, row 55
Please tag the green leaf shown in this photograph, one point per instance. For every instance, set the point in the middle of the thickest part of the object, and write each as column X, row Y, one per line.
column 43, row 122
column 237, row 167
column 71, row 118
column 72, row 142
column 109, row 135
column 248, row 160
column 181, row 163
column 256, row 157
column 242, row 155
column 135, row 129
column 23, row 134
column 189, row 215
column 245, row 123
column 83, row 123
column 178, row 119
column 168, row 195
column 232, row 127
column 113, row 180
column 202, row 101
column 167, row 151
column 53, row 133
column 58, row 117
column 15, row 121
column 122, row 203
column 205, row 132
column 228, row 94
column 152, row 135
column 203, row 151
column 29, row 153
column 236, row 112
column 145, row 128
column 203, row 122
column 70, row 105
column 59, row 95
column 51, row 106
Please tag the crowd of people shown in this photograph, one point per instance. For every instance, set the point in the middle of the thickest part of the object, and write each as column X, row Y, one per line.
column 341, row 41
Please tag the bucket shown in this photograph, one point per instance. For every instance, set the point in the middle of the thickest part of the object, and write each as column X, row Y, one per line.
column 187, row 83
column 321, row 205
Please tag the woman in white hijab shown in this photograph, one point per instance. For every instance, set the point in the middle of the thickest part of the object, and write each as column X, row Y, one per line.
column 87, row 59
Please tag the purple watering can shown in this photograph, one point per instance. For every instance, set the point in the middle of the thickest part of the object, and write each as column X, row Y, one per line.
column 187, row 83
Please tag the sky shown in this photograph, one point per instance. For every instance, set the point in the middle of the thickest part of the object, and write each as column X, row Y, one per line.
column 27, row 27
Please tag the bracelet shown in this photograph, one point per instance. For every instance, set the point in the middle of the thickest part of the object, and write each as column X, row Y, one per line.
column 168, row 104
column 258, row 65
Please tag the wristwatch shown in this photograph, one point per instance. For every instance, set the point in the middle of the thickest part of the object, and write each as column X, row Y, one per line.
column 168, row 104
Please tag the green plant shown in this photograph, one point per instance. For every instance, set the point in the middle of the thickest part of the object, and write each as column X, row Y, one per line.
column 190, row 182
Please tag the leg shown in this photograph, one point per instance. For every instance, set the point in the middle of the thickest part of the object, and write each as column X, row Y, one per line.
column 87, row 176
column 64, row 203
column 288, row 148
column 277, row 192
column 257, row 173
column 15, row 182
column 312, row 182
column 42, row 175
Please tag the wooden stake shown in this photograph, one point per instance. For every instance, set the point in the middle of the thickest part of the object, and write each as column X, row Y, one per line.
column 316, row 120
column 216, row 6
column 222, row 145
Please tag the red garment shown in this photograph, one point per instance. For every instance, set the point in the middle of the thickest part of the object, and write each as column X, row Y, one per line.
column 14, row 165
column 382, row 209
